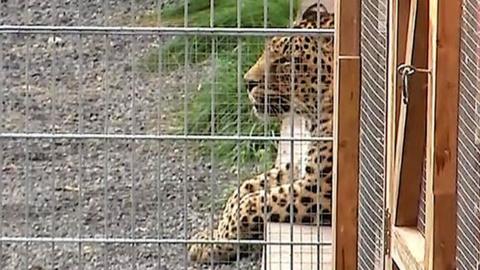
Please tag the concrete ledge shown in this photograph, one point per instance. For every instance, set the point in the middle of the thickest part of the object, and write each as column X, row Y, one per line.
column 305, row 257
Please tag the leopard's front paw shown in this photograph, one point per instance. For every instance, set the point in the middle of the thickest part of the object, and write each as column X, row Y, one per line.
column 208, row 252
column 201, row 252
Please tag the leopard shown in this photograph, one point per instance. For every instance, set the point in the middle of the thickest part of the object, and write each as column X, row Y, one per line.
column 292, row 80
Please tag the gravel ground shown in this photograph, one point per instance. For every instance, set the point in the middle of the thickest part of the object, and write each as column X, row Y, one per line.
column 96, row 188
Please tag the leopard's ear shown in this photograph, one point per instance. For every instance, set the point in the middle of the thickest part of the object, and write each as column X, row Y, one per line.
column 314, row 11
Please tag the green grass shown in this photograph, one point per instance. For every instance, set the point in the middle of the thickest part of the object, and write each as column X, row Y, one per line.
column 225, row 15
column 225, row 97
column 227, row 115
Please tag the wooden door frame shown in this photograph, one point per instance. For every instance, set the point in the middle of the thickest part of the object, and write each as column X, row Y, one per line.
column 437, row 35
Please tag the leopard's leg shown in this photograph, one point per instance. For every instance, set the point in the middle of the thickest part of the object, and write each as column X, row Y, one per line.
column 311, row 201
column 276, row 176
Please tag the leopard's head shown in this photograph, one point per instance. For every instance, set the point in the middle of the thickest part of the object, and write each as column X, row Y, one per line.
column 299, row 63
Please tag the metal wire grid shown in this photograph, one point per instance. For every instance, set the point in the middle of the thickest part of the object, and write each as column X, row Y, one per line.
column 421, row 205
column 87, row 146
column 468, row 246
column 372, row 133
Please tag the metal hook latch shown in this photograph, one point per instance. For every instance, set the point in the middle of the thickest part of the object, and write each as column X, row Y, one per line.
column 405, row 71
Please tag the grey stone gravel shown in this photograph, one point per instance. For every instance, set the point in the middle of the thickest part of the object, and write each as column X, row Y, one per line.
column 96, row 188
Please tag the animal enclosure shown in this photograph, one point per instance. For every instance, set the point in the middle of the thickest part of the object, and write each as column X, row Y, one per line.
column 247, row 134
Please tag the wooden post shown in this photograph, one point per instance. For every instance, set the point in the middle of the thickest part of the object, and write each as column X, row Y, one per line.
column 346, row 145
column 442, row 123
column 393, row 50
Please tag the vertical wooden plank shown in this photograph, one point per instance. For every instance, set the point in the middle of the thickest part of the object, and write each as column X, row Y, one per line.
column 442, row 123
column 403, row 10
column 346, row 145
column 391, row 116
column 403, row 51
column 393, row 50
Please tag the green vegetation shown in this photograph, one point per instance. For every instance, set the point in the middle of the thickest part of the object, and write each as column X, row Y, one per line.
column 225, row 13
column 228, row 116
column 219, row 89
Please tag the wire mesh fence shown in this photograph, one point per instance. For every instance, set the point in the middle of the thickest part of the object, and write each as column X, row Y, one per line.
column 468, row 246
column 372, row 131
column 119, row 140
column 422, row 203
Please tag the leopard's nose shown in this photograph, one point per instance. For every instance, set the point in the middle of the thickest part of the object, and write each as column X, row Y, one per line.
column 251, row 85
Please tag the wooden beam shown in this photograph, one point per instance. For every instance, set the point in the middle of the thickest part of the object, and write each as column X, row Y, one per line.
column 408, row 248
column 347, row 129
column 390, row 140
column 412, row 25
column 398, row 52
column 403, row 10
column 410, row 154
column 442, row 122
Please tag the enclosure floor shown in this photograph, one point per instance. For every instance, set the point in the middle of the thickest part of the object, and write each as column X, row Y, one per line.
column 305, row 257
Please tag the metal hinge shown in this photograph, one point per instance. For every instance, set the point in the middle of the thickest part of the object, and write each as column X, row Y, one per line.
column 387, row 233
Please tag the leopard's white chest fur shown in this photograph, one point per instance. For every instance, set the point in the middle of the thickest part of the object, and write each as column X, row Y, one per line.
column 296, row 128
